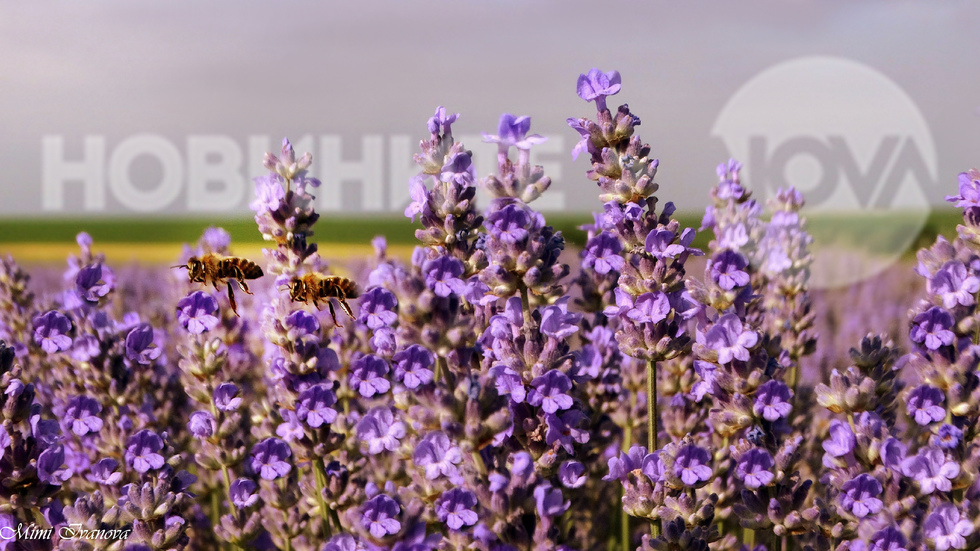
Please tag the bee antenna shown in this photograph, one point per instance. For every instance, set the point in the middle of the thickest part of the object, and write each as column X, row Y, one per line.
column 178, row 266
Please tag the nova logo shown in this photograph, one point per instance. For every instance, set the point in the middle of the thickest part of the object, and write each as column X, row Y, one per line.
column 853, row 142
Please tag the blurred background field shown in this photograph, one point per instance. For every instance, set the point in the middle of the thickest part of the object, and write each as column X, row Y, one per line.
column 159, row 240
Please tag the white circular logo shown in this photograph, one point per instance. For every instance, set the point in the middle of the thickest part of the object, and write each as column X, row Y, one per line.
column 853, row 142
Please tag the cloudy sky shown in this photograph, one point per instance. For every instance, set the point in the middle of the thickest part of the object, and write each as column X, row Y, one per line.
column 139, row 82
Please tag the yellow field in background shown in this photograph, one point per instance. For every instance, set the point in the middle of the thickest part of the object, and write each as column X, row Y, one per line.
column 167, row 253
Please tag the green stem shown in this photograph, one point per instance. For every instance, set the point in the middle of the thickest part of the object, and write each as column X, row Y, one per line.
column 653, row 407
column 215, row 508
column 624, row 526
column 320, row 476
column 749, row 538
column 627, row 442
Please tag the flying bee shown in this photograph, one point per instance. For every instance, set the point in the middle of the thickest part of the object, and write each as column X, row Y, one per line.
column 312, row 288
column 213, row 268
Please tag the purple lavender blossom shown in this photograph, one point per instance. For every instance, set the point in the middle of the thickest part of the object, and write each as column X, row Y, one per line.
column 564, row 428
column 139, row 345
column 51, row 332
column 94, row 282
column 969, row 184
column 202, row 424
column 419, row 195
column 437, row 455
column 947, row 527
column 49, row 464
column 442, row 120
column 889, row 539
column 549, row 500
column 650, row 308
column 932, row 470
column 660, row 244
column 932, row 328
column 509, row 224
column 412, row 366
column 367, row 375
column 380, row 430
column 597, row 85
column 954, row 285
column 521, row 466
column 602, row 254
column 226, row 397
column 557, row 322
column 376, row 308
column 893, row 453
column 753, row 468
column 269, row 458
column 243, row 493
column 383, row 341
column 730, row 339
column 691, row 465
column 197, row 312
column 143, row 451
column 626, row 462
column 85, row 348
column 512, row 132
column 379, row 516
column 948, row 437
column 104, row 472
column 83, row 415
column 653, row 467
column 291, row 428
column 269, row 194
column 584, row 135
column 456, row 508
column 300, row 324
column 314, row 406
column 508, row 383
column 841, row 440
column 215, row 239
column 342, row 542
column 923, row 405
column 458, row 169
column 442, row 276
column 772, row 401
column 728, row 270
column 550, row 391
column 572, row 474
column 860, row 496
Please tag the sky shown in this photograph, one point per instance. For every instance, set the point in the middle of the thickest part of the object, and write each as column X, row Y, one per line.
column 123, row 107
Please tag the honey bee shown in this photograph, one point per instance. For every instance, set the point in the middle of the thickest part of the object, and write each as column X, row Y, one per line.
column 214, row 268
column 312, row 288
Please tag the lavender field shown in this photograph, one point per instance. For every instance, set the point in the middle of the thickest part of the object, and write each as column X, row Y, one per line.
column 499, row 390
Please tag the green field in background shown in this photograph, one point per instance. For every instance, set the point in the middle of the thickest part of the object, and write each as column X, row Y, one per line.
column 875, row 231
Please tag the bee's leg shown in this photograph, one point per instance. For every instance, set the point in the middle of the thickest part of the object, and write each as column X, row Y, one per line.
column 243, row 286
column 231, row 299
column 333, row 314
column 346, row 307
